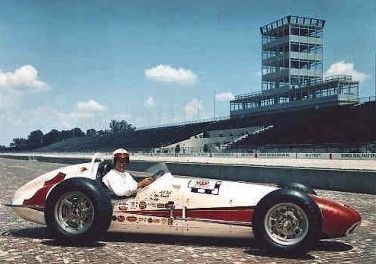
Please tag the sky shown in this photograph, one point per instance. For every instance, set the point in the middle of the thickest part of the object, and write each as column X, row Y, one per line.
column 76, row 63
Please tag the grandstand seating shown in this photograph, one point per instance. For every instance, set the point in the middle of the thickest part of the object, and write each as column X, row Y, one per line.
column 332, row 125
column 329, row 126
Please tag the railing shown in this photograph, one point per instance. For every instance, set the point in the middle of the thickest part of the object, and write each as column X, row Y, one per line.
column 196, row 121
column 33, row 156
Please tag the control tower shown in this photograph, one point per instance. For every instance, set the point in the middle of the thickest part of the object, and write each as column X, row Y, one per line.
column 292, row 52
column 292, row 71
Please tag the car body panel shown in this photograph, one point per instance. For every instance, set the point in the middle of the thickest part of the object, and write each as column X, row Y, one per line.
column 180, row 205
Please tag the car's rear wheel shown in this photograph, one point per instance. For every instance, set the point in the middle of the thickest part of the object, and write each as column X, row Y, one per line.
column 287, row 222
column 78, row 211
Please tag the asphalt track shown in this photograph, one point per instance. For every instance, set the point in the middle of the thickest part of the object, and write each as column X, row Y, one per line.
column 23, row 242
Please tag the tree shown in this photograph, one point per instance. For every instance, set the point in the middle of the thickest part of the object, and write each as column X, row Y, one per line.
column 19, row 143
column 91, row 132
column 35, row 139
column 77, row 132
column 122, row 126
column 52, row 137
column 65, row 134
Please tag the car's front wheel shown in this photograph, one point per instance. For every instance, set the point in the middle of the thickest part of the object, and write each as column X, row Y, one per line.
column 299, row 187
column 287, row 222
column 78, row 211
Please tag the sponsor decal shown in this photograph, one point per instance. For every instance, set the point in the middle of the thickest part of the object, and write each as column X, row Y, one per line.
column 120, row 218
column 150, row 220
column 131, row 218
column 205, row 186
column 202, row 183
column 170, row 205
column 160, row 205
column 142, row 205
column 313, row 155
column 274, row 155
column 170, row 221
column 358, row 156
column 123, row 207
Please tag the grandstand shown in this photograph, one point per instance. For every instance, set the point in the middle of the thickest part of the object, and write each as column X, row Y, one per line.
column 348, row 128
column 297, row 108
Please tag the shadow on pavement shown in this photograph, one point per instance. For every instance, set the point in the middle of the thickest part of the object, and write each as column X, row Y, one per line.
column 264, row 253
column 178, row 240
column 332, row 246
column 41, row 233
column 250, row 244
column 32, row 232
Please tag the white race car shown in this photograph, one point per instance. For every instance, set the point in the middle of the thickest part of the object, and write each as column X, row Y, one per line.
column 78, row 208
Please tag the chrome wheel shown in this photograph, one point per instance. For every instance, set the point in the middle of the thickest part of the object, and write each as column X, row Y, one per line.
column 74, row 212
column 286, row 224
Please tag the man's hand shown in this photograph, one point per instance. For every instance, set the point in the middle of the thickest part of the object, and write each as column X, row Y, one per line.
column 145, row 182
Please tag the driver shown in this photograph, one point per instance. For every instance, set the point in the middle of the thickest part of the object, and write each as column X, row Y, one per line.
column 119, row 181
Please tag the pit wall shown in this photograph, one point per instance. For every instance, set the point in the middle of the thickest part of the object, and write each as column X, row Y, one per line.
column 358, row 181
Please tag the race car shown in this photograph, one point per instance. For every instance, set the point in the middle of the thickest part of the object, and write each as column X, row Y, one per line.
column 78, row 208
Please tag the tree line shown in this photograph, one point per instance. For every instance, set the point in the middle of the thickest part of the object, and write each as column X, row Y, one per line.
column 36, row 139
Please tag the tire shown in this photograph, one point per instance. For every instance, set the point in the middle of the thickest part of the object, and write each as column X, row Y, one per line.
column 287, row 222
column 78, row 211
column 299, row 187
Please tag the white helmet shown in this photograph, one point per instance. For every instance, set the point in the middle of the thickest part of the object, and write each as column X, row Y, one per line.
column 121, row 153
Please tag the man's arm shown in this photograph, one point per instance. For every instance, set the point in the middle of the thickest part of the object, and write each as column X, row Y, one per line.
column 144, row 182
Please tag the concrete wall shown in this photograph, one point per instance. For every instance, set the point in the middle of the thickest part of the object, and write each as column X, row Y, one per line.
column 363, row 181
column 350, row 181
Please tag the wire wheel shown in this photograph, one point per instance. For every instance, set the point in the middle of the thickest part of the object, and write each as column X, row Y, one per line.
column 286, row 224
column 74, row 212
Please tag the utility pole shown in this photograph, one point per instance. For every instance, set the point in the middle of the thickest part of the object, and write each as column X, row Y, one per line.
column 198, row 107
column 374, row 117
column 214, row 104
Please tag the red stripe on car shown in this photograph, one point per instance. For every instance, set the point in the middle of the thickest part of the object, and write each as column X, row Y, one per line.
column 226, row 214
column 239, row 214
column 39, row 198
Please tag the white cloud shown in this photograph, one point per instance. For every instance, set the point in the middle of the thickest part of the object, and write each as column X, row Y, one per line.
column 83, row 110
column 19, row 121
column 149, row 102
column 193, row 108
column 168, row 74
column 342, row 67
column 224, row 97
column 90, row 106
column 88, row 109
column 24, row 79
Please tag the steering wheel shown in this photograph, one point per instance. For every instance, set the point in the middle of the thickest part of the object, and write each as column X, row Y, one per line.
column 157, row 175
